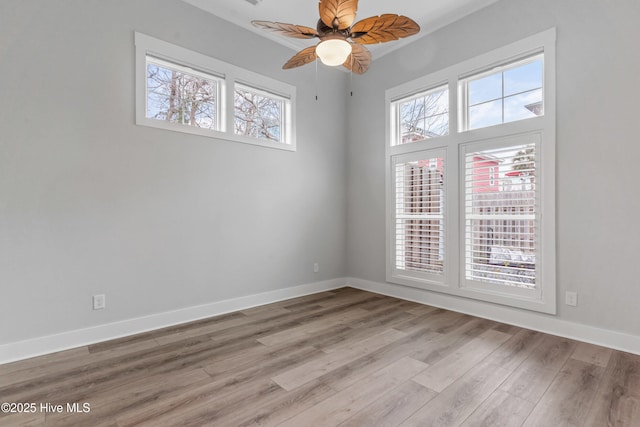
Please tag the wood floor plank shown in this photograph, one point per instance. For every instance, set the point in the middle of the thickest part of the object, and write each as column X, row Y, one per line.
column 392, row 407
column 30, row 369
column 321, row 365
column 376, row 322
column 592, row 354
column 461, row 398
column 420, row 309
column 122, row 397
column 362, row 367
column 282, row 407
column 307, row 329
column 220, row 392
column 569, row 397
column 443, row 373
column 344, row 404
column 532, row 378
column 439, row 320
column 501, row 409
column 617, row 401
column 516, row 349
column 30, row 419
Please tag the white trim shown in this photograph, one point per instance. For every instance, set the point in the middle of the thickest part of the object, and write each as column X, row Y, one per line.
column 80, row 337
column 522, row 318
column 228, row 74
column 526, row 319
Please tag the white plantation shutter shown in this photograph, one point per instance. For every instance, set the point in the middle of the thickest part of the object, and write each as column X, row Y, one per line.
column 418, row 219
column 501, row 218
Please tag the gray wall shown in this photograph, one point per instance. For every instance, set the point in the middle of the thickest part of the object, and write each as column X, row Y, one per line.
column 156, row 220
column 597, row 145
column 91, row 203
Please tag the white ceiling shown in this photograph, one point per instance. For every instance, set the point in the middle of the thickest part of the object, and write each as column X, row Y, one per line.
column 430, row 15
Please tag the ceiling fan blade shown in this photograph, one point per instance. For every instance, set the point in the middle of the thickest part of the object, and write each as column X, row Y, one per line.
column 303, row 57
column 359, row 60
column 383, row 28
column 338, row 14
column 288, row 30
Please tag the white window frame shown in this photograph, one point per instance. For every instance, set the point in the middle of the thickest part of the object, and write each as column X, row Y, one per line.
column 229, row 75
column 544, row 297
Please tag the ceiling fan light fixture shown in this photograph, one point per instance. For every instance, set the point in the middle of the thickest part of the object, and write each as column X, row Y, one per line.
column 333, row 52
column 341, row 40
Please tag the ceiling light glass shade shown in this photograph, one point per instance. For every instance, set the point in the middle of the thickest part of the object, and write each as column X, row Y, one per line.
column 333, row 52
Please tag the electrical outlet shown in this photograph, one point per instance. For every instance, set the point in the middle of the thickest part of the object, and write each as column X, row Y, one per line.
column 99, row 302
column 316, row 267
column 571, row 298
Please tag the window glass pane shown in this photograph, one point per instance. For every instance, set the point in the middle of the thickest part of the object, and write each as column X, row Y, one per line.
column 514, row 92
column 500, row 216
column 178, row 97
column 487, row 114
column 523, row 106
column 437, row 125
column 258, row 115
column 419, row 215
column 424, row 116
column 485, row 89
column 524, row 78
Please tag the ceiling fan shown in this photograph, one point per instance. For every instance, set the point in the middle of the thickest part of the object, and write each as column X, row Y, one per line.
column 341, row 41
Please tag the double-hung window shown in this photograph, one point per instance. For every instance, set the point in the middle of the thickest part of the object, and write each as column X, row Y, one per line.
column 185, row 91
column 470, row 179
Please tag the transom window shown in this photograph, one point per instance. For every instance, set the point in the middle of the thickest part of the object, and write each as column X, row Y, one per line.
column 185, row 91
column 422, row 116
column 506, row 94
column 258, row 114
column 177, row 94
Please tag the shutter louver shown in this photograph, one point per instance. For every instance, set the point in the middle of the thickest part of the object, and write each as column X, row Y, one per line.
column 501, row 223
column 419, row 215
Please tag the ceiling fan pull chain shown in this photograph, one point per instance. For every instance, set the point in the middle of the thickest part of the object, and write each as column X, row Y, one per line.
column 316, row 80
column 351, row 75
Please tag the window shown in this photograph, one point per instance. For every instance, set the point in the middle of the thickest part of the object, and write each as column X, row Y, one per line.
column 422, row 116
column 181, row 90
column 512, row 92
column 258, row 114
column 418, row 215
column 177, row 94
column 501, row 222
column 481, row 224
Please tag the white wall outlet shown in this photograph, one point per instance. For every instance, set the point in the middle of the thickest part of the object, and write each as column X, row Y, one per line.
column 571, row 298
column 316, row 267
column 99, row 302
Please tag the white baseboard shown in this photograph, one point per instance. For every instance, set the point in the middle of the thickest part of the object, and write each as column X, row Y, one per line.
column 523, row 318
column 77, row 338
column 544, row 323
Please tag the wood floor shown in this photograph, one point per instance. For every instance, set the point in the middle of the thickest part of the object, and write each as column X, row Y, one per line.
column 345, row 357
